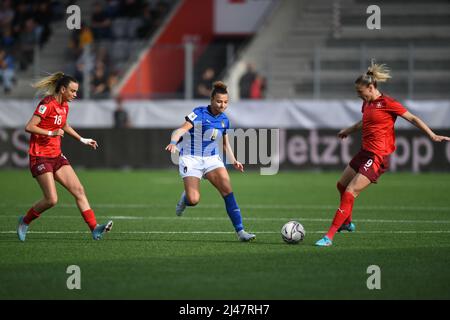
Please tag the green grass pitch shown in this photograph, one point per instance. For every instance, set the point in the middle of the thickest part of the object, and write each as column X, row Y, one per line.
column 403, row 226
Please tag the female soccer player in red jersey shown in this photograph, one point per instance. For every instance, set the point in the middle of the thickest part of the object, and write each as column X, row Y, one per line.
column 47, row 164
column 378, row 142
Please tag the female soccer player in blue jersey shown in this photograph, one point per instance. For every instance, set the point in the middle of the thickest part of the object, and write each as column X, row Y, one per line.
column 199, row 156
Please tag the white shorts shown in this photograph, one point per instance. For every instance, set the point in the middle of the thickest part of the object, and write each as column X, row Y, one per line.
column 195, row 166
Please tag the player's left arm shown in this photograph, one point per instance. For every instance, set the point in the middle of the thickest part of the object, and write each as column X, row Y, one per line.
column 87, row 141
column 415, row 120
column 230, row 155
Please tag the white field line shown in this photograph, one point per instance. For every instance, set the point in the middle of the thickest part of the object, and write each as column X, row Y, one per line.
column 252, row 206
column 225, row 232
column 170, row 218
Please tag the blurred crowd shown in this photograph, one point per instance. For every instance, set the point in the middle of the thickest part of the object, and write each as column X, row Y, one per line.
column 117, row 29
column 24, row 24
column 113, row 29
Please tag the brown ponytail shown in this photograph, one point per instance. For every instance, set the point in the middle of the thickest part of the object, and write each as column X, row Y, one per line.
column 219, row 88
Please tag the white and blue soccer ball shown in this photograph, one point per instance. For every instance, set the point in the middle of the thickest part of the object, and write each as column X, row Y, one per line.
column 293, row 232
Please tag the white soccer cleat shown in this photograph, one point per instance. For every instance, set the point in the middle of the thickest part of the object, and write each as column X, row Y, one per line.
column 181, row 205
column 22, row 229
column 245, row 236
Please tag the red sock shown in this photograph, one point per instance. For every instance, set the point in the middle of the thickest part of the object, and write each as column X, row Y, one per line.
column 341, row 189
column 31, row 215
column 344, row 211
column 89, row 218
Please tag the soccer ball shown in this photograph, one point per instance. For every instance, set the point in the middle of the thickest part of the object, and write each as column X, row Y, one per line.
column 293, row 232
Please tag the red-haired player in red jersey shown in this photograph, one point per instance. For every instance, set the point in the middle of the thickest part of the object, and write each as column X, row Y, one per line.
column 47, row 164
column 378, row 142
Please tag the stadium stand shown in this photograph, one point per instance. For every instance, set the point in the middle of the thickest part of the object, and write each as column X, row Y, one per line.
column 304, row 36
column 115, row 29
column 24, row 26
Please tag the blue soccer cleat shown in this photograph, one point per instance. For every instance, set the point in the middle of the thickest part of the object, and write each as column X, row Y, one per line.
column 181, row 205
column 324, row 242
column 244, row 236
column 22, row 229
column 100, row 229
column 350, row 227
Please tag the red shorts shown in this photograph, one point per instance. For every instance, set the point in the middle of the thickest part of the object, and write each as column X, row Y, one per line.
column 40, row 165
column 369, row 164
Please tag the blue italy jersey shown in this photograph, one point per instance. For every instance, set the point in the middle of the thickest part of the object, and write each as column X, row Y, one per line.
column 202, row 139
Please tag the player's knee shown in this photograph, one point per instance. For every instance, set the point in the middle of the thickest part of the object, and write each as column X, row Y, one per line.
column 193, row 198
column 51, row 201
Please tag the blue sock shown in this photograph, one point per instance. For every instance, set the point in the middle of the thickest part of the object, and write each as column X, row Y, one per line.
column 233, row 212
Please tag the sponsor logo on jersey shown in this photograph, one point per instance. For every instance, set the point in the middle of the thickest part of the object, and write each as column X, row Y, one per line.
column 42, row 109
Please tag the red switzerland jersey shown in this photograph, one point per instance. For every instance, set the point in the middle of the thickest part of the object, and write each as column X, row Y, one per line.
column 53, row 116
column 378, row 124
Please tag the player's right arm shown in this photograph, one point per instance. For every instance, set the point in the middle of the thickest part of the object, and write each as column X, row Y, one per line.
column 177, row 134
column 345, row 132
column 32, row 127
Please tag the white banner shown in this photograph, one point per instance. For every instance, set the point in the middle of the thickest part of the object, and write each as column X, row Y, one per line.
column 286, row 114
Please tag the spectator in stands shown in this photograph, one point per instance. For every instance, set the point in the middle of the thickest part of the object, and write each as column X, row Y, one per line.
column 112, row 8
column 121, row 119
column 43, row 18
column 257, row 88
column 6, row 14
column 204, row 86
column 21, row 15
column 113, row 80
column 86, row 36
column 245, row 82
column 7, row 40
column 29, row 38
column 147, row 23
column 101, row 23
column 7, row 72
column 99, row 87
column 131, row 8
column 160, row 11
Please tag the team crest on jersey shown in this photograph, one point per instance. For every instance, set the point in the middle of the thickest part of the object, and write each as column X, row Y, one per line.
column 42, row 109
column 379, row 105
column 223, row 124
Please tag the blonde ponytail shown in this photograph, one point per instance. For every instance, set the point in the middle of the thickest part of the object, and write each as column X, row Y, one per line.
column 379, row 72
column 47, row 85
column 52, row 84
column 375, row 73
